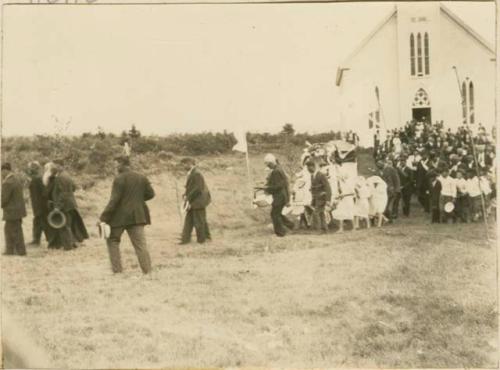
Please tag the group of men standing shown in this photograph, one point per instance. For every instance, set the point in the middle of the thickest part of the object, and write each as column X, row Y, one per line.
column 52, row 190
column 126, row 209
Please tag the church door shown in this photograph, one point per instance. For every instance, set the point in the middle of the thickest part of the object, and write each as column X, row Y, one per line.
column 422, row 114
column 421, row 107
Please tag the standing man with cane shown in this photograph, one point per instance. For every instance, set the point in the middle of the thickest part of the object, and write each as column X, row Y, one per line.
column 197, row 198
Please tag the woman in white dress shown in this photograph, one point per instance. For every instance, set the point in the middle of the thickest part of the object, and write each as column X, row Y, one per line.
column 362, row 204
column 344, row 200
column 378, row 199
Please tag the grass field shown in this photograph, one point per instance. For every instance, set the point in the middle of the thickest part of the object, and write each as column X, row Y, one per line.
column 407, row 295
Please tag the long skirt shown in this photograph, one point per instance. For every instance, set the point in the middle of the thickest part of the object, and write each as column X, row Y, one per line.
column 67, row 236
column 345, row 209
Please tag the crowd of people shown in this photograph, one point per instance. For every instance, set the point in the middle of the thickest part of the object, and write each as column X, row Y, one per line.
column 452, row 173
column 56, row 215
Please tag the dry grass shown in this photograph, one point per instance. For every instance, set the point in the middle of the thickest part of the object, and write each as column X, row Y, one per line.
column 408, row 295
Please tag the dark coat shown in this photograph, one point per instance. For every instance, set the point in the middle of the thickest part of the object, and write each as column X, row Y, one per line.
column 435, row 193
column 406, row 179
column 320, row 189
column 38, row 196
column 277, row 186
column 197, row 193
column 127, row 205
column 422, row 182
column 12, row 199
column 63, row 193
column 391, row 178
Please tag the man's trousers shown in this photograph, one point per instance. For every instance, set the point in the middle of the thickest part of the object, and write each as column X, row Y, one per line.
column 280, row 221
column 138, row 239
column 197, row 219
column 14, row 238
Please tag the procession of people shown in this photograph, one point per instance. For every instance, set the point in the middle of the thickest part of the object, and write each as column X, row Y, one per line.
column 451, row 174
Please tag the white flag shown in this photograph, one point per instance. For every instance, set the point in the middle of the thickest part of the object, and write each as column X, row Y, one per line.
column 241, row 141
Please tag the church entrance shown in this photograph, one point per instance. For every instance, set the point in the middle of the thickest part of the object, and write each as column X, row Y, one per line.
column 422, row 114
column 421, row 107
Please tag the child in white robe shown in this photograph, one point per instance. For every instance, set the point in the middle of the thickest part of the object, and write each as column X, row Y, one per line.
column 344, row 200
column 362, row 204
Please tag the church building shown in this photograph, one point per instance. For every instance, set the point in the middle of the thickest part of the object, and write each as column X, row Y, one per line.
column 414, row 65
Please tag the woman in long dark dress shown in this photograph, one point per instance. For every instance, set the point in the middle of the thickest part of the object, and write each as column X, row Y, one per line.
column 60, row 189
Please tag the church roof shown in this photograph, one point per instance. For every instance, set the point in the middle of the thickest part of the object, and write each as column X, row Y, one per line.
column 393, row 13
column 467, row 28
column 365, row 41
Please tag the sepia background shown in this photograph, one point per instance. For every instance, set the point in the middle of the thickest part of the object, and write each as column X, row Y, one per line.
column 77, row 80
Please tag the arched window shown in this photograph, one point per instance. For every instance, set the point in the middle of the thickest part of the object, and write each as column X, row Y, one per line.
column 419, row 54
column 469, row 115
column 426, row 53
column 412, row 54
column 464, row 102
column 471, row 102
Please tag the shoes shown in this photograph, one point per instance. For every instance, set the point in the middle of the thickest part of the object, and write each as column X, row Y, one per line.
column 183, row 243
column 34, row 243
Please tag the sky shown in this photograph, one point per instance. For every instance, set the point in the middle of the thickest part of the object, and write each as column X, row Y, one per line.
column 184, row 68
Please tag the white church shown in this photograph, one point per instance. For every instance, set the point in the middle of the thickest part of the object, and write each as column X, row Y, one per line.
column 413, row 58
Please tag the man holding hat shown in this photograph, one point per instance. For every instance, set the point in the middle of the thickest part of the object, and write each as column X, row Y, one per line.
column 127, row 211
column 277, row 185
column 14, row 211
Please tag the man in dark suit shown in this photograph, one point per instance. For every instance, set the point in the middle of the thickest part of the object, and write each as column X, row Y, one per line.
column 391, row 178
column 63, row 198
column 39, row 203
column 14, row 210
column 321, row 195
column 407, row 185
column 197, row 198
column 434, row 196
column 277, row 185
column 127, row 211
column 422, row 181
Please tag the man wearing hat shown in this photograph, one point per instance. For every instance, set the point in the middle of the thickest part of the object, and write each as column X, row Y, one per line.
column 127, row 211
column 39, row 203
column 14, row 211
column 277, row 185
column 321, row 195
column 197, row 198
